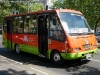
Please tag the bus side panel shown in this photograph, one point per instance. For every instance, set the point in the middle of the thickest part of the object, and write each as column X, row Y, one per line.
column 6, row 41
column 53, row 45
column 31, row 45
column 28, row 43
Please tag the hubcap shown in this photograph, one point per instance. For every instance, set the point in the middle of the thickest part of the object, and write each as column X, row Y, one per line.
column 56, row 57
column 17, row 49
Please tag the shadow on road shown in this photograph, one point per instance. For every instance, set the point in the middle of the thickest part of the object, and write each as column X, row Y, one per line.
column 27, row 58
column 71, row 68
column 83, row 70
column 13, row 72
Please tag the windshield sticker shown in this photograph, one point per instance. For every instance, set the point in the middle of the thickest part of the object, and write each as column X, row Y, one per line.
column 79, row 30
column 75, row 14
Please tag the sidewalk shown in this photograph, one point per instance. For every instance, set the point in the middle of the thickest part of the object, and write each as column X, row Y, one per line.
column 0, row 35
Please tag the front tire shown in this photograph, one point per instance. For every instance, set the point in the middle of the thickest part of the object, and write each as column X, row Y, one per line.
column 17, row 49
column 57, row 58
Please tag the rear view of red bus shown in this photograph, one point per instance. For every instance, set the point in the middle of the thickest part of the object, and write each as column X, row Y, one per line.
column 59, row 34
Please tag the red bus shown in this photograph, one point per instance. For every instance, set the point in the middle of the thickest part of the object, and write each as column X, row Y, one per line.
column 58, row 34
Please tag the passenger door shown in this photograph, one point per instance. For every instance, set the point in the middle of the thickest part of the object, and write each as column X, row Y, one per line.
column 9, row 33
column 42, row 35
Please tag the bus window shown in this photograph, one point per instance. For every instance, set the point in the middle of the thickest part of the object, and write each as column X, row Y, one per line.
column 15, row 25
column 21, row 24
column 18, row 24
column 33, row 24
column 56, row 31
column 47, row 21
column 4, row 26
column 26, row 24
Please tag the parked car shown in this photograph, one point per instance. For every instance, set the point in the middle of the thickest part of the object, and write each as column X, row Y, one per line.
column 98, row 36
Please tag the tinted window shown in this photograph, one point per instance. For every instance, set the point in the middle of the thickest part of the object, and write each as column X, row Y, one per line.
column 18, row 24
column 30, row 24
column 56, row 31
column 74, row 23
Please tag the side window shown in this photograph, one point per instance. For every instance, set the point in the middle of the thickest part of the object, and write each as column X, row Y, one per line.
column 33, row 24
column 47, row 21
column 15, row 25
column 5, row 26
column 56, row 31
column 21, row 25
column 30, row 24
column 18, row 24
column 26, row 24
column 47, row 24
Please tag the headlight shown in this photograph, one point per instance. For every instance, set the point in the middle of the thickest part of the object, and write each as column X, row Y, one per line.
column 76, row 49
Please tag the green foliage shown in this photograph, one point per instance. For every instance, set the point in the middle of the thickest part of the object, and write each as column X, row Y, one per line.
column 7, row 6
column 36, row 7
column 89, row 8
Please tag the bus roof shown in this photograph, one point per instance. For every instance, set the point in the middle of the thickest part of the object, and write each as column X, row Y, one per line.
column 44, row 11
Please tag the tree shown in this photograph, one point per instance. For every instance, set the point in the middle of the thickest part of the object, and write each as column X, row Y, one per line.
column 22, row 6
column 89, row 8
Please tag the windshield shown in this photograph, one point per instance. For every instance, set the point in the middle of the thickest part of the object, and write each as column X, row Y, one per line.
column 74, row 23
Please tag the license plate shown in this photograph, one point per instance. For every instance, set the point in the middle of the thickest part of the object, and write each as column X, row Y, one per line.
column 87, row 47
column 88, row 56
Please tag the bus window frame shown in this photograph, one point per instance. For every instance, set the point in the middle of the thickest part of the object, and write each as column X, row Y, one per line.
column 57, row 15
column 36, row 23
column 5, row 22
column 18, row 20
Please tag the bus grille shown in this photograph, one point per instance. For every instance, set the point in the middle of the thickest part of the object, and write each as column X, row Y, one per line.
column 87, row 46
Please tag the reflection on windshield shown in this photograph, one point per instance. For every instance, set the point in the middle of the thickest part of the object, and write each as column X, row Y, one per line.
column 74, row 23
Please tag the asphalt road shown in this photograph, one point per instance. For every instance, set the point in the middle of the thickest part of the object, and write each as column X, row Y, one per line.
column 28, row 64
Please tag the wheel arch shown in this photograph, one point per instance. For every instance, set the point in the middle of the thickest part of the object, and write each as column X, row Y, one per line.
column 15, row 46
column 54, row 50
column 61, row 61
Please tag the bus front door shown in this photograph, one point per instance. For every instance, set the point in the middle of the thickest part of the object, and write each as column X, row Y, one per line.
column 42, row 36
column 9, row 33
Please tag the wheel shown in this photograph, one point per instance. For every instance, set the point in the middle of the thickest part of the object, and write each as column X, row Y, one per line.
column 17, row 48
column 57, row 59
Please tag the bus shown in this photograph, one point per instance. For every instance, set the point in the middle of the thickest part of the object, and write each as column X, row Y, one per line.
column 57, row 34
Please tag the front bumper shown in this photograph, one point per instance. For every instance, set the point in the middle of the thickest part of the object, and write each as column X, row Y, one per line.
column 73, row 56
